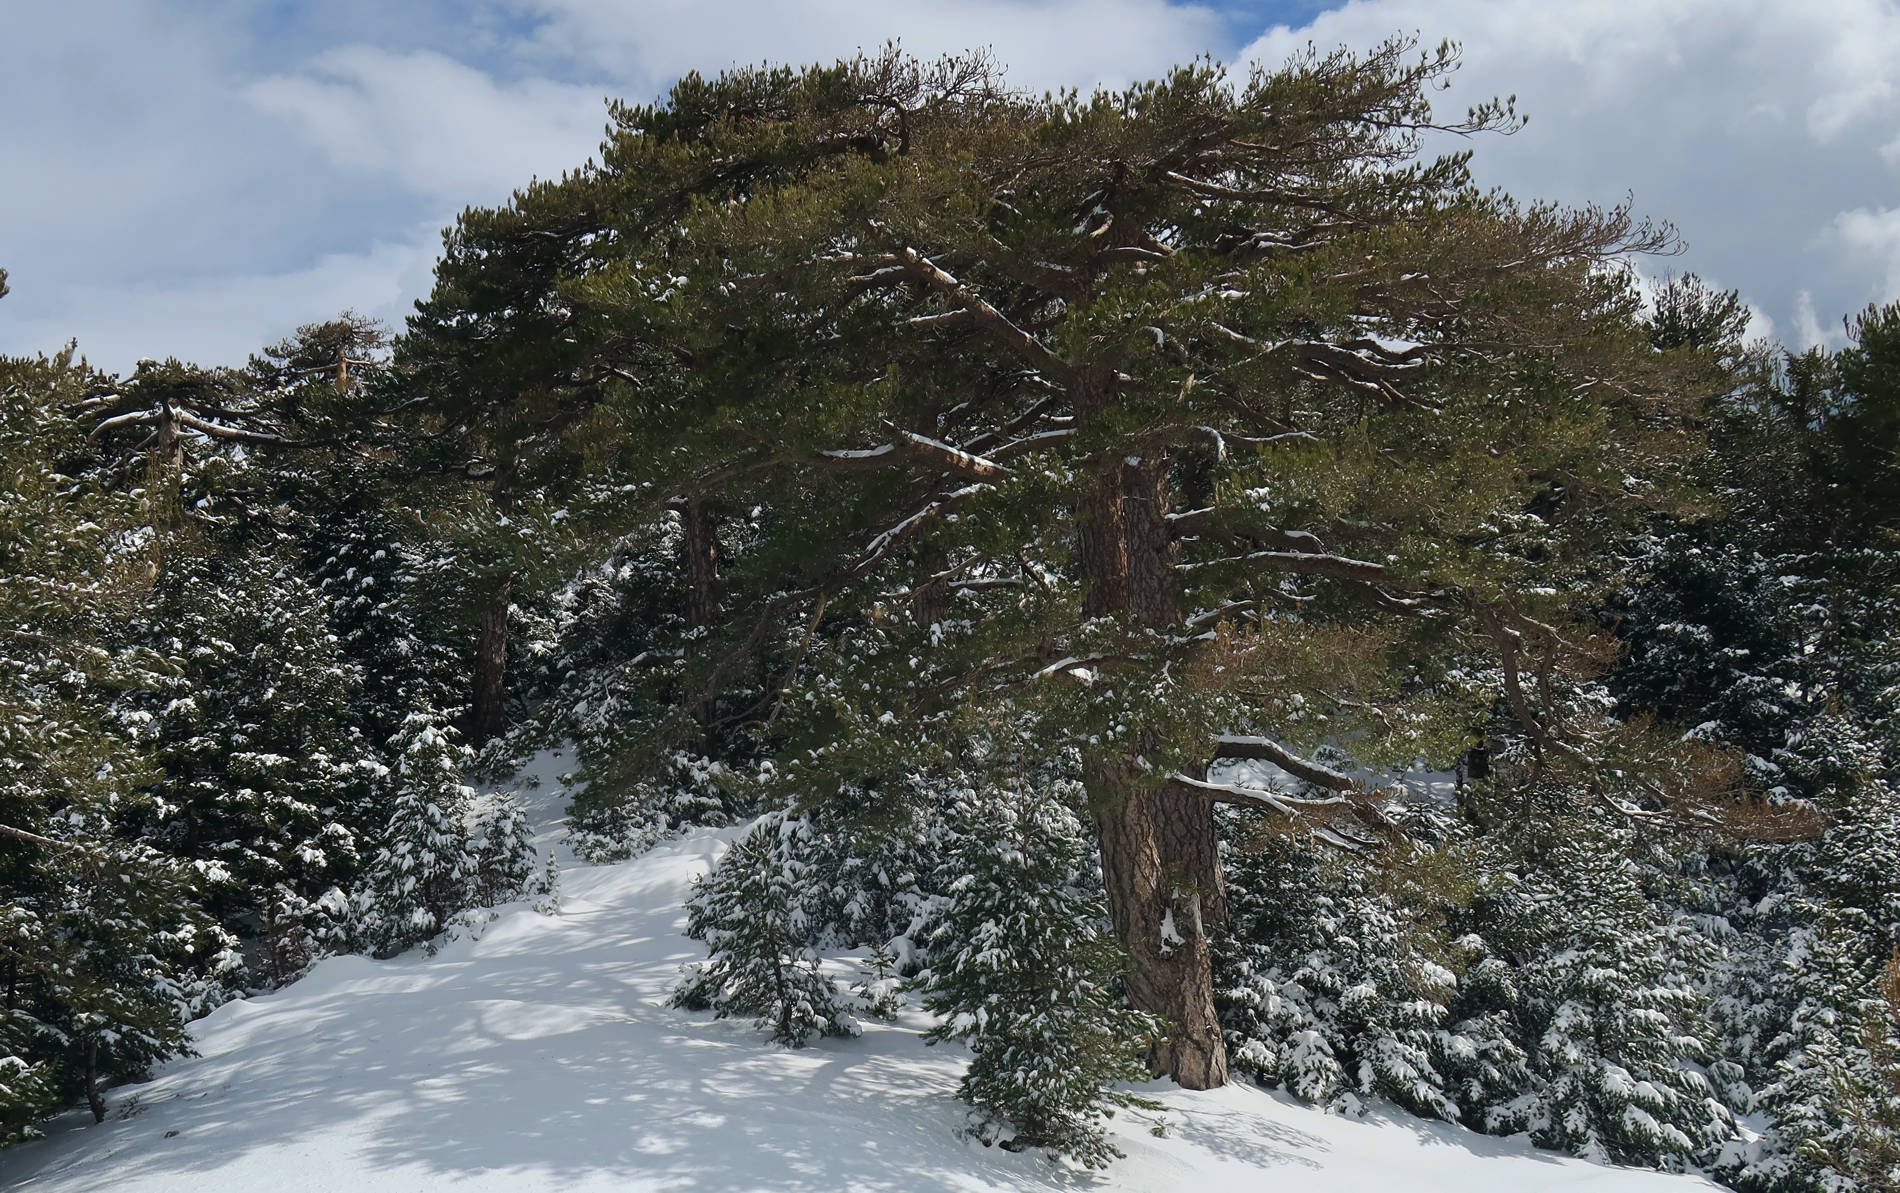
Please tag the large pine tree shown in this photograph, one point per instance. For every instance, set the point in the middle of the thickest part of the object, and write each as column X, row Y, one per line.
column 1199, row 419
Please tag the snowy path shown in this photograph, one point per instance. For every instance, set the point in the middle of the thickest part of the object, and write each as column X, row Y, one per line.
column 541, row 1058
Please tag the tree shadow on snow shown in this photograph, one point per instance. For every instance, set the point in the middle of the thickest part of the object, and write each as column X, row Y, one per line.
column 542, row 1049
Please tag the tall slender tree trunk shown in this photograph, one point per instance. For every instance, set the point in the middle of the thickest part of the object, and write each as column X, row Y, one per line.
column 487, row 717
column 930, row 599
column 95, row 1098
column 1160, row 860
column 699, row 544
column 487, row 713
column 165, row 484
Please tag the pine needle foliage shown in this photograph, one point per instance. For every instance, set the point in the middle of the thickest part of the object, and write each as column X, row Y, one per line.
column 1024, row 973
column 750, row 913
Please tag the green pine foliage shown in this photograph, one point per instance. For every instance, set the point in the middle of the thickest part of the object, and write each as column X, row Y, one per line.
column 428, row 867
column 1024, row 973
column 749, row 912
column 105, row 948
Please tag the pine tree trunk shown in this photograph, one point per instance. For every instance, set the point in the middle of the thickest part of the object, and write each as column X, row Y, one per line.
column 486, row 716
column 699, row 544
column 930, row 600
column 165, row 485
column 1159, row 853
column 95, row 1100
column 1162, row 878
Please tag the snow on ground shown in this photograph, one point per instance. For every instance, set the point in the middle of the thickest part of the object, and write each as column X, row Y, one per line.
column 542, row 1058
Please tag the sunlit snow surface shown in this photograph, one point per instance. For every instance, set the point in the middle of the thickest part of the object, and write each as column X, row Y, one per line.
column 542, row 1058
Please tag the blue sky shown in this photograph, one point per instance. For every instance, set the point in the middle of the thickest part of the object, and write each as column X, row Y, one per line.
column 195, row 179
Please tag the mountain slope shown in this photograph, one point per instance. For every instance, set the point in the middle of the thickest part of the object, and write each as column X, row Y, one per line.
column 542, row 1057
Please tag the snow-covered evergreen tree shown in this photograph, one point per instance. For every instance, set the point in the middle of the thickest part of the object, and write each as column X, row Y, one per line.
column 505, row 858
column 1769, row 631
column 1868, row 1150
column 1330, row 987
column 750, row 913
column 609, row 680
column 1825, row 935
column 428, row 866
column 617, row 813
column 266, row 775
column 1606, row 1005
column 105, row 951
column 1024, row 972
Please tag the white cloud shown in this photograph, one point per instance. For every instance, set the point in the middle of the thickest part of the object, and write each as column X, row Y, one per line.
column 197, row 188
column 1761, row 326
column 442, row 128
column 1808, row 332
column 1045, row 43
column 225, row 319
column 152, row 210
column 1871, row 237
column 1754, row 124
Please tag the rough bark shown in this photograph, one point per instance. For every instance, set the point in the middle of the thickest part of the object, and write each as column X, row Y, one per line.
column 487, row 718
column 1159, row 853
column 930, row 596
column 699, row 546
column 1163, row 883
column 1127, row 545
column 95, row 1098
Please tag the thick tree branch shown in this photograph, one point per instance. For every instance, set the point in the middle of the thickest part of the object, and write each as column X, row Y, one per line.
column 1261, row 749
column 994, row 322
column 1303, row 563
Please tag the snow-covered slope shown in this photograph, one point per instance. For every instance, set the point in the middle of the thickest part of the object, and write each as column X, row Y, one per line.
column 542, row 1058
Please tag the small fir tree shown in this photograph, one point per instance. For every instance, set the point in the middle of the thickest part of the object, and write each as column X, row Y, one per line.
column 1870, row 1096
column 428, row 867
column 880, row 992
column 749, row 912
column 1025, row 975
column 1335, row 986
column 1607, row 1008
column 505, row 859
